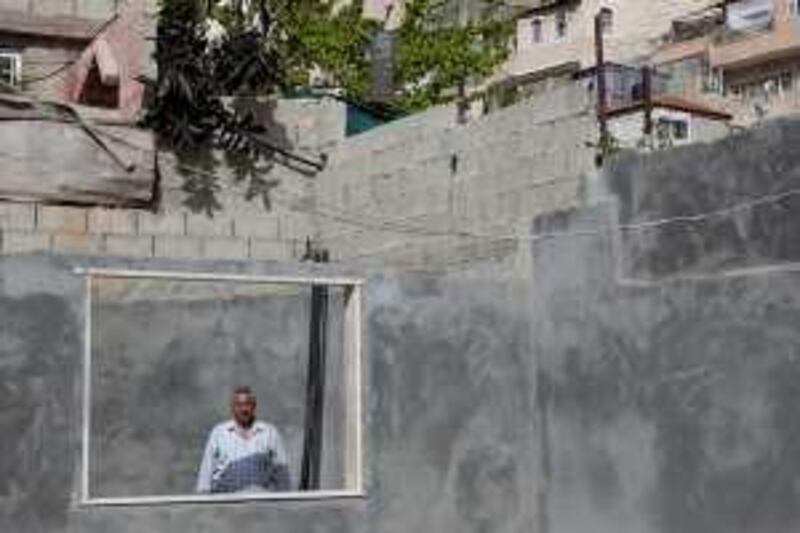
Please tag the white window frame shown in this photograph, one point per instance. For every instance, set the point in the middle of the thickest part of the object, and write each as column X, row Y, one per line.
column 16, row 67
column 353, row 434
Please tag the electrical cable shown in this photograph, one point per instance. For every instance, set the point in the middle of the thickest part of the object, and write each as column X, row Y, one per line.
column 44, row 77
column 691, row 218
column 389, row 226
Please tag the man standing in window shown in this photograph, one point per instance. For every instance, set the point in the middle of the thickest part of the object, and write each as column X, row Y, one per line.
column 243, row 454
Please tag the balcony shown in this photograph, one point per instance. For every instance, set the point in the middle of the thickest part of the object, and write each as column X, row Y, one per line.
column 741, row 49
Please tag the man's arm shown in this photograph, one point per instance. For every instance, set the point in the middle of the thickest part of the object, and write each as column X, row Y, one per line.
column 280, row 479
column 204, row 475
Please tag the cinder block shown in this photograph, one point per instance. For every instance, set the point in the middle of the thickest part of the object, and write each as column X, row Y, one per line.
column 204, row 226
column 62, row 220
column 113, row 221
column 265, row 227
column 271, row 250
column 178, row 247
column 162, row 224
column 20, row 242
column 225, row 248
column 16, row 216
column 70, row 243
column 294, row 226
column 129, row 246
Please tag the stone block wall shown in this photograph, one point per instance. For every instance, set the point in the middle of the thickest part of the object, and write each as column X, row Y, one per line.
column 422, row 191
column 241, row 230
column 428, row 191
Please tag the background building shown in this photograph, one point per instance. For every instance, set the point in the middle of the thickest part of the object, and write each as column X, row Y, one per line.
column 744, row 55
column 88, row 52
column 558, row 32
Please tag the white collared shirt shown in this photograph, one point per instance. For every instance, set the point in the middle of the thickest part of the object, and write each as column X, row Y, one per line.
column 233, row 462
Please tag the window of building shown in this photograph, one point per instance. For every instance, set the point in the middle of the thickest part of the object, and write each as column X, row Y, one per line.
column 10, row 68
column 170, row 355
column 536, row 30
column 714, row 81
column 672, row 130
column 786, row 81
column 775, row 85
column 561, row 24
column 607, row 20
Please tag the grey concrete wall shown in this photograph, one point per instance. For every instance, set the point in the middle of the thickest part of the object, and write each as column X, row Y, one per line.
column 165, row 358
column 447, row 423
column 720, row 182
column 667, row 354
column 641, row 384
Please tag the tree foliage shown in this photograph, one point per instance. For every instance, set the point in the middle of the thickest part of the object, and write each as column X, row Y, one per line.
column 435, row 58
column 334, row 40
column 211, row 51
column 190, row 110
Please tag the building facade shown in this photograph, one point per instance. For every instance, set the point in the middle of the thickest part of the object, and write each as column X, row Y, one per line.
column 558, row 32
column 87, row 52
column 747, row 59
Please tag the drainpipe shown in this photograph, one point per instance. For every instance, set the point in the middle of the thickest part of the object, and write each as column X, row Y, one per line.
column 311, row 466
column 600, row 77
column 647, row 99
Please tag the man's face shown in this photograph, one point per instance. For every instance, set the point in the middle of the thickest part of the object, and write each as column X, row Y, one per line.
column 244, row 409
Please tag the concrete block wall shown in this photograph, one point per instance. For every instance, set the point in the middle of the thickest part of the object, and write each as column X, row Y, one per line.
column 244, row 230
column 423, row 191
column 28, row 228
column 427, row 191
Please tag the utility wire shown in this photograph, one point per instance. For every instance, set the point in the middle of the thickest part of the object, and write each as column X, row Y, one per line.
column 64, row 66
column 396, row 227
column 692, row 218
column 399, row 228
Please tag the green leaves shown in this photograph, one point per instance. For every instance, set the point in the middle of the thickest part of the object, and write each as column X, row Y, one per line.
column 187, row 110
column 332, row 39
column 434, row 59
column 274, row 46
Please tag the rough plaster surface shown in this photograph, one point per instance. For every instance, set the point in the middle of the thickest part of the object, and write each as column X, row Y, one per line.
column 165, row 356
column 762, row 163
column 596, row 401
column 672, row 408
column 668, row 366
column 448, row 412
